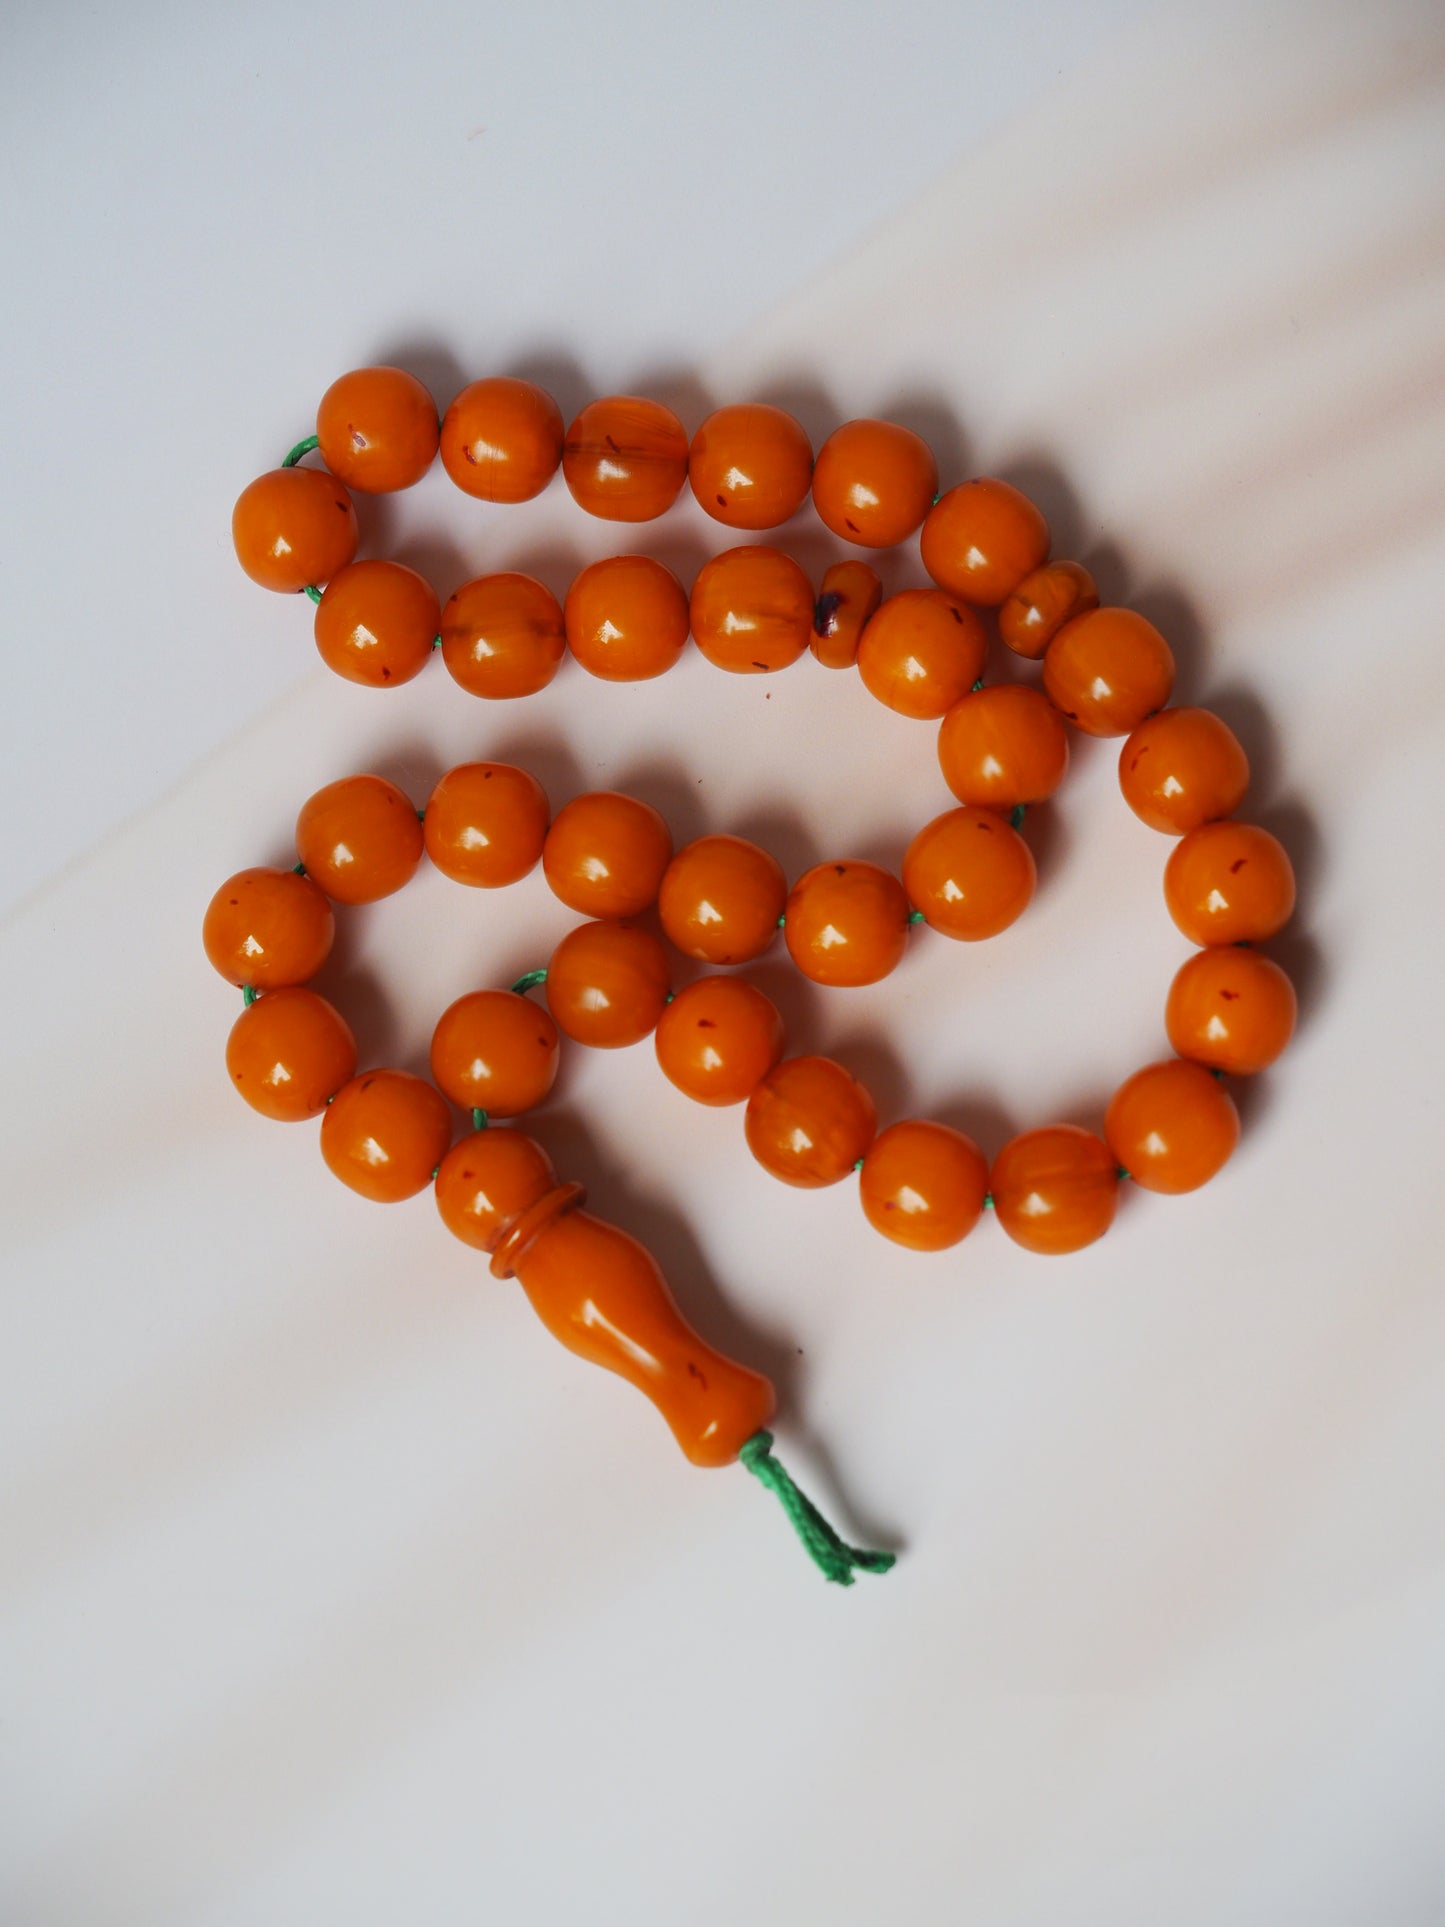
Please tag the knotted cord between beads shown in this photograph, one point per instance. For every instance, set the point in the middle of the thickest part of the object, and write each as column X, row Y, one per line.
column 833, row 1556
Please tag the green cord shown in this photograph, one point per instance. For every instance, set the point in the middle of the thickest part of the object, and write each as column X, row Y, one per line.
column 529, row 982
column 312, row 590
column 248, row 995
column 833, row 1557
column 479, row 1119
column 301, row 448
column 915, row 916
column 1016, row 816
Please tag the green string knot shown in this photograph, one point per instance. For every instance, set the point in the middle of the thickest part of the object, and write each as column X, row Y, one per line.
column 833, row 1557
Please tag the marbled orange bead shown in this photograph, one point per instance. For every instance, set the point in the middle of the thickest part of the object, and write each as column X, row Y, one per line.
column 359, row 838
column 873, row 482
column 625, row 458
column 1230, row 1009
column 494, row 1051
column 1229, row 883
column 1042, row 603
column 485, row 824
column 626, row 618
column 982, row 539
column 921, row 652
column 1182, row 768
column 502, row 635
column 718, row 1039
column 846, row 923
column 1107, row 670
column 501, row 439
column 377, row 429
column 809, row 1122
column 1056, row 1189
column 267, row 928
column 923, row 1184
column 605, row 854
column 1171, row 1126
column 607, row 984
column 751, row 465
column 293, row 528
column 847, row 600
column 377, row 623
column 289, row 1052
column 970, row 874
column 385, row 1133
column 720, row 899
column 1003, row 745
column 752, row 610
column 487, row 1181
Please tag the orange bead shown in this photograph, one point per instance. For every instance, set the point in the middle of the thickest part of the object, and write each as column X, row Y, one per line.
column 494, row 1051
column 809, row 1122
column 502, row 635
column 1042, row 603
column 847, row 602
column 485, row 824
column 1171, row 1126
column 752, row 610
column 377, row 623
column 267, row 928
column 289, row 1052
column 847, row 923
column 718, row 1039
column 625, row 458
column 923, row 1185
column 487, row 1181
column 1055, row 1190
column 293, row 528
column 873, row 482
column 1231, row 1010
column 607, row 984
column 605, row 854
column 922, row 652
column 359, row 839
column 1229, row 883
column 626, row 618
column 981, row 539
column 1182, row 768
column 377, row 429
column 969, row 873
column 1107, row 670
column 385, row 1133
column 751, row 466
column 501, row 440
column 721, row 898
column 1003, row 746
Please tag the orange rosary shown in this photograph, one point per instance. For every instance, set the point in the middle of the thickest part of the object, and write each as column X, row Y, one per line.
column 722, row 900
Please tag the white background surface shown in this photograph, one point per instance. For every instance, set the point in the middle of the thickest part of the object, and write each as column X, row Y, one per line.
column 330, row 1589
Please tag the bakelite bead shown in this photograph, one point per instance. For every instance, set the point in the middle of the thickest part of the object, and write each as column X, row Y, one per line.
column 923, row 1184
column 289, row 1052
column 1171, row 1126
column 1229, row 883
column 982, row 539
column 626, row 618
column 268, row 928
column 846, row 923
column 847, row 601
column 1182, row 768
column 1230, row 1009
column 1107, row 670
column 921, row 652
column 809, row 1122
column 625, row 458
column 494, row 1051
column 1002, row 746
column 751, row 466
column 485, row 824
column 502, row 636
column 718, row 1039
column 1056, row 1189
column 1042, row 603
column 385, row 1133
column 873, row 482
column 720, row 899
column 359, row 839
column 376, row 623
column 501, row 439
column 970, row 874
column 377, row 429
column 752, row 610
column 607, row 984
column 605, row 854
column 293, row 528
column 487, row 1180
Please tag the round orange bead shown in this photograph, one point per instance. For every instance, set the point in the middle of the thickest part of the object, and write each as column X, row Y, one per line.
column 1056, row 1189
column 607, row 984
column 385, row 1133
column 494, row 1051
column 485, row 824
column 293, row 528
column 1231, row 1010
column 1171, row 1126
column 502, row 635
column 720, row 899
column 605, row 854
column 1229, row 883
column 625, row 458
column 718, row 1039
column 487, row 1180
column 809, row 1122
column 267, row 928
column 751, row 466
column 376, row 623
column 981, row 539
column 923, row 1185
column 377, row 429
column 847, row 923
column 1042, row 603
column 289, row 1052
column 1182, row 768
column 1003, row 746
column 752, row 610
column 1107, row 670
column 921, row 652
column 501, row 439
column 969, row 873
column 626, row 618
column 873, row 482
column 847, row 602
column 359, row 839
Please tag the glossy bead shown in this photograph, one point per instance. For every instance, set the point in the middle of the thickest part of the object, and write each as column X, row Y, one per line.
column 385, row 1133
column 485, row 824
column 809, row 1122
column 873, row 482
column 751, row 466
column 718, row 1039
column 982, row 539
column 1002, row 746
column 487, row 1181
column 849, row 597
column 502, row 636
column 377, row 429
column 1229, row 883
column 501, row 439
column 970, row 874
column 720, row 899
column 359, row 839
column 494, row 1051
column 1230, row 1009
column 1182, row 768
column 1056, row 1189
column 607, row 984
column 921, row 652
column 376, row 623
column 1107, row 670
column 923, row 1184
column 289, row 1052
column 267, row 928
column 1042, row 603
column 292, row 528
column 1171, row 1126
column 626, row 618
column 752, row 610
column 847, row 923
column 625, row 458
column 605, row 854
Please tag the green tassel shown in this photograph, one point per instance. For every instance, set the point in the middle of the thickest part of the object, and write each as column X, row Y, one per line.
column 833, row 1557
